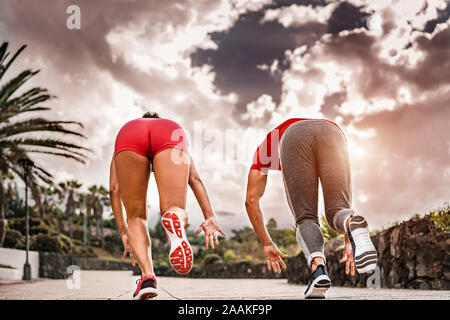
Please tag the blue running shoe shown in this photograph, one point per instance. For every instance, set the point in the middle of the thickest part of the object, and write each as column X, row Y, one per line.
column 319, row 283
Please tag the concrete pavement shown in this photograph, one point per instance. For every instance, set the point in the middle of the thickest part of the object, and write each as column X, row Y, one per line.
column 120, row 285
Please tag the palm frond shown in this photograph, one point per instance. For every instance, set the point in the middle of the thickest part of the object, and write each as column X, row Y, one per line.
column 59, row 154
column 49, row 143
column 38, row 124
column 3, row 49
column 25, row 104
column 14, row 84
column 3, row 53
column 26, row 96
column 14, row 147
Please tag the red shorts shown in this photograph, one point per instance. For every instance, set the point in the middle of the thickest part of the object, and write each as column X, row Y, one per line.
column 148, row 136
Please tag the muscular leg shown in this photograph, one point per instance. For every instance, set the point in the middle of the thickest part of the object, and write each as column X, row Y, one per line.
column 334, row 172
column 298, row 162
column 133, row 171
column 172, row 180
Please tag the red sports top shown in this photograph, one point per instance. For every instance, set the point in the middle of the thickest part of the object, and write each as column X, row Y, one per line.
column 267, row 155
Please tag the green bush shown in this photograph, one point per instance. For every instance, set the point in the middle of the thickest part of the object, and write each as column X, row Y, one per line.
column 327, row 232
column 114, row 238
column 19, row 224
column 43, row 242
column 67, row 245
column 212, row 258
column 53, row 243
column 77, row 242
column 37, row 226
column 95, row 242
column 41, row 229
column 14, row 239
column 229, row 255
column 111, row 247
column 441, row 218
column 113, row 243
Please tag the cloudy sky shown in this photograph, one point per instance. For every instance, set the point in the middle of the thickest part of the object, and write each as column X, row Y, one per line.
column 230, row 70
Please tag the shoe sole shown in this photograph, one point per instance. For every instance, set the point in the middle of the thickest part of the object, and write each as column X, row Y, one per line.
column 318, row 288
column 180, row 256
column 146, row 294
column 365, row 261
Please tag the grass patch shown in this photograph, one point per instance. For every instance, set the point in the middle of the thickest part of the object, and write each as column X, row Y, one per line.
column 105, row 255
column 441, row 218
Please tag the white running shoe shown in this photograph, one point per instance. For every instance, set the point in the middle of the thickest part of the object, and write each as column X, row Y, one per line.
column 364, row 252
column 180, row 257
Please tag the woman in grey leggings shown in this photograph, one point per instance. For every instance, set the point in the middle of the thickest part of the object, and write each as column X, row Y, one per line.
column 306, row 151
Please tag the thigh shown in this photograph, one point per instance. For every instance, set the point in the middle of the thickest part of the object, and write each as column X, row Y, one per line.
column 133, row 172
column 171, row 169
column 334, row 168
column 298, row 165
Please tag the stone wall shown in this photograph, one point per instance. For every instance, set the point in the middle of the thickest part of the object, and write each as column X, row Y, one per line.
column 412, row 255
column 54, row 265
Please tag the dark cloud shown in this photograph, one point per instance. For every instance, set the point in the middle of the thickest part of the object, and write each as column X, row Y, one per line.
column 251, row 43
column 347, row 17
column 434, row 70
column 76, row 51
column 330, row 106
column 443, row 16
column 240, row 50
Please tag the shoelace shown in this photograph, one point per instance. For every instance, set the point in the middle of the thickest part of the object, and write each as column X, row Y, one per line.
column 139, row 280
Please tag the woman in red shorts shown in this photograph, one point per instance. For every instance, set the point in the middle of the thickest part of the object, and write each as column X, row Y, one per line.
column 159, row 145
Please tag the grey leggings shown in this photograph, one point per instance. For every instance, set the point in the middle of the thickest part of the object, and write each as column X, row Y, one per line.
column 311, row 150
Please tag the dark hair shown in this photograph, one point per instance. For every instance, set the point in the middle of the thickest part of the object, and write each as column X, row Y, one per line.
column 151, row 115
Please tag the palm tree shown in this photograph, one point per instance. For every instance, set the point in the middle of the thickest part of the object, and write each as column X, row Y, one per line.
column 99, row 198
column 70, row 188
column 83, row 203
column 15, row 128
column 50, row 201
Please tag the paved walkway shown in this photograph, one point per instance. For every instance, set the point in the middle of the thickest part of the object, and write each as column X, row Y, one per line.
column 119, row 285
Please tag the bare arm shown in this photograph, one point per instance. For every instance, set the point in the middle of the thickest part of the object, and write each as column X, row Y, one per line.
column 255, row 190
column 196, row 184
column 209, row 226
column 116, row 200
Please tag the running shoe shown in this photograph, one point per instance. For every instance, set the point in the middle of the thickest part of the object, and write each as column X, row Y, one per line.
column 319, row 283
column 146, row 288
column 364, row 252
column 180, row 256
